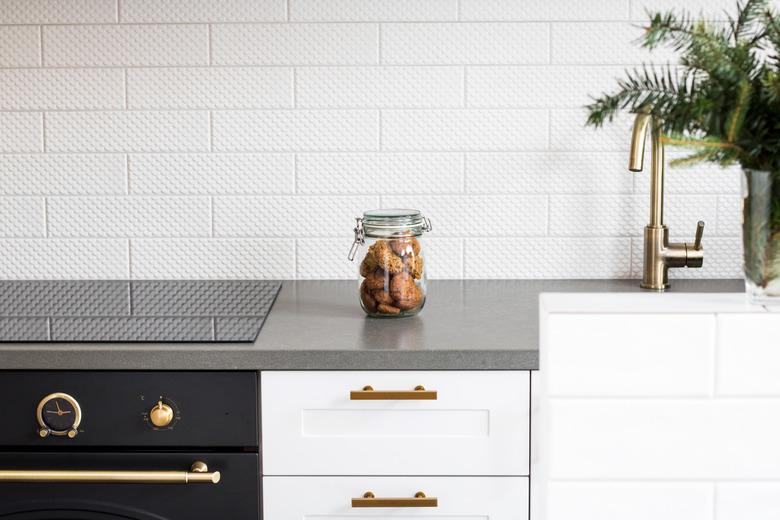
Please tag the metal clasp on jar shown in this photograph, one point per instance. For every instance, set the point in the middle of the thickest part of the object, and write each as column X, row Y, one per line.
column 360, row 239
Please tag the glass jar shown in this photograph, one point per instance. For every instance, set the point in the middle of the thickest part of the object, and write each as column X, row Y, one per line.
column 392, row 271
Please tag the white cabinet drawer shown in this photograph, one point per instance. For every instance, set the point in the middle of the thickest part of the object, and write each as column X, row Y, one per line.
column 478, row 424
column 464, row 498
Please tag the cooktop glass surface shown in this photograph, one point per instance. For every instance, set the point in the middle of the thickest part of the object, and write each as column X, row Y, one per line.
column 135, row 311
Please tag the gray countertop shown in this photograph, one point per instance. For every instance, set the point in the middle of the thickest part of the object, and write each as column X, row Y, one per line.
column 318, row 325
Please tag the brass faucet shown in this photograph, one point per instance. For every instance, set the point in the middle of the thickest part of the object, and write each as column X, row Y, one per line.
column 659, row 254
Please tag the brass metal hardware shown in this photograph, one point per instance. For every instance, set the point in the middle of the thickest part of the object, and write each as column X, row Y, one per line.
column 44, row 430
column 369, row 394
column 659, row 253
column 419, row 500
column 161, row 415
column 199, row 473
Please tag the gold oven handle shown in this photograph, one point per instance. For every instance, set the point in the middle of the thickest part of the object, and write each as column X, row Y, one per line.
column 369, row 394
column 419, row 500
column 199, row 473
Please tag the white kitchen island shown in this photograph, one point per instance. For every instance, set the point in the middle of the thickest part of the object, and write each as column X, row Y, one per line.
column 656, row 406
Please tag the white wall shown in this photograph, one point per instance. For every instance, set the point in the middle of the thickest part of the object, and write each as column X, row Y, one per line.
column 197, row 138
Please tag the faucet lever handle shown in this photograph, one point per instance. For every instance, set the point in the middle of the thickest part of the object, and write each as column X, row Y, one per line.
column 699, row 235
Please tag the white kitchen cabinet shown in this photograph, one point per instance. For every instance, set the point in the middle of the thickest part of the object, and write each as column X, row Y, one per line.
column 477, row 425
column 461, row 498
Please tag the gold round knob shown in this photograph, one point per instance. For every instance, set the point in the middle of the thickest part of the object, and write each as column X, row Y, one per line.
column 161, row 415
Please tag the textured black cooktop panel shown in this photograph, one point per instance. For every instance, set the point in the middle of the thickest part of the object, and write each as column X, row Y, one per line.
column 135, row 311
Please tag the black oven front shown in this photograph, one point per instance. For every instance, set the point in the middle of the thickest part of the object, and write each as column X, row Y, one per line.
column 129, row 445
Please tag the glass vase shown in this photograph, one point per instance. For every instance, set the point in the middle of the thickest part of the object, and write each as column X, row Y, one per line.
column 761, row 236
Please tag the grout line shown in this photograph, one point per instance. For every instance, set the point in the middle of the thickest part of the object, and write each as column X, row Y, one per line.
column 287, row 10
column 458, row 10
column 118, row 10
column 40, row 45
column 210, row 45
column 379, row 44
column 549, row 44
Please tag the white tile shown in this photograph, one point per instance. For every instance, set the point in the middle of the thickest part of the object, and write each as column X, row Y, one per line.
column 61, row 89
column 539, row 258
column 206, row 174
column 755, row 500
column 443, row 257
column 537, row 86
column 222, row 87
column 285, row 216
column 299, row 130
column 21, row 132
column 634, row 500
column 722, row 257
column 22, row 217
column 57, row 11
column 130, row 45
column 294, row 44
column 504, row 10
column 373, row 10
column 379, row 173
column 709, row 9
column 697, row 178
column 569, row 133
column 129, row 216
column 366, row 87
column 653, row 439
column 588, row 355
column 626, row 215
column 472, row 130
column 464, row 43
column 50, row 259
column 730, row 215
column 127, row 131
column 192, row 11
column 69, row 174
column 20, row 46
column 547, row 172
column 602, row 43
column 748, row 358
column 213, row 258
column 478, row 215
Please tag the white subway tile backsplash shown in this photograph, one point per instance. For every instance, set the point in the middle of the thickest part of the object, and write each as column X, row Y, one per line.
column 710, row 9
column 200, row 11
column 57, row 11
column 547, row 172
column 537, row 86
column 625, row 215
column 569, row 133
column 443, row 257
column 68, row 174
column 48, row 258
column 754, row 500
column 22, row 217
column 21, row 132
column 634, row 500
column 129, row 217
column 478, row 215
column 373, row 10
column 471, row 130
column 222, row 87
column 502, row 10
column 380, row 87
column 546, row 257
column 294, row 44
column 20, row 46
column 722, row 256
column 277, row 216
column 204, row 174
column 222, row 258
column 298, row 130
column 125, row 45
column 127, row 131
column 464, row 43
column 379, row 173
column 602, row 43
column 61, row 89
column 730, row 215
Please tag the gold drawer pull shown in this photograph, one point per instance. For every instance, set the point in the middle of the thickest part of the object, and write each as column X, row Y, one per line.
column 199, row 473
column 369, row 394
column 419, row 500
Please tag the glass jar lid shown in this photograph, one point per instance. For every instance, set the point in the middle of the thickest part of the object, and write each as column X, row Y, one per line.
column 386, row 223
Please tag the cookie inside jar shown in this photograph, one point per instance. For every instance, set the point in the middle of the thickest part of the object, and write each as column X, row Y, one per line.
column 392, row 281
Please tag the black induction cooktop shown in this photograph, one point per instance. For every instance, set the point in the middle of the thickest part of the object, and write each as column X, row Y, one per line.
column 134, row 311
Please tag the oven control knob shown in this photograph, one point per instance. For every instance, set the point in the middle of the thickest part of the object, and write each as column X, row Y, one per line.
column 161, row 415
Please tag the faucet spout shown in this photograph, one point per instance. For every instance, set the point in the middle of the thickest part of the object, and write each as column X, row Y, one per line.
column 636, row 157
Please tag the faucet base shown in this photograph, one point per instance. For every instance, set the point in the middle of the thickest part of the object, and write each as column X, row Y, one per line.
column 655, row 267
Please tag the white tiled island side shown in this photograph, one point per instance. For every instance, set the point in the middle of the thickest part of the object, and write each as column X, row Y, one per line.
column 657, row 406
